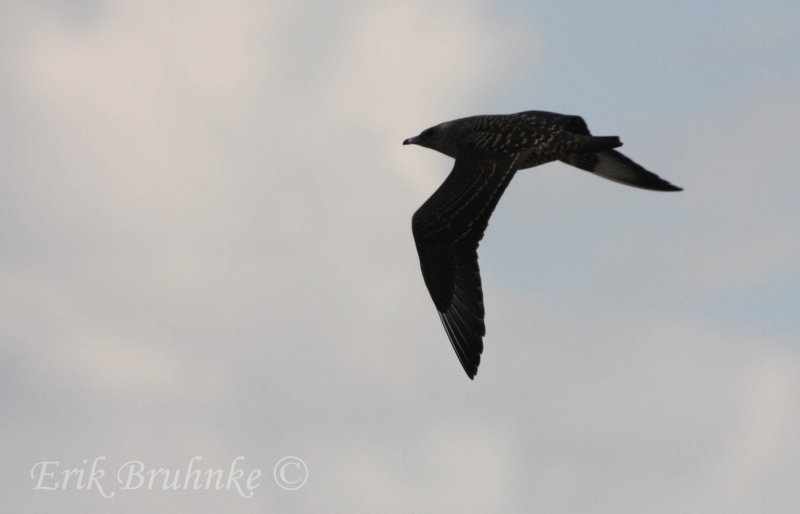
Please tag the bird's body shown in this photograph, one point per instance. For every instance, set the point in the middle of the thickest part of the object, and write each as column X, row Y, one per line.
column 488, row 151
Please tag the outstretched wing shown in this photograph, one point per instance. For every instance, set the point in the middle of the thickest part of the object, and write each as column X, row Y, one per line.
column 614, row 166
column 447, row 230
column 611, row 164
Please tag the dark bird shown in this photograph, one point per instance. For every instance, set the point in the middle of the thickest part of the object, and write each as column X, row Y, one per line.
column 488, row 150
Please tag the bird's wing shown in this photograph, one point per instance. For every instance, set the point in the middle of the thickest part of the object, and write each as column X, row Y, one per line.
column 447, row 230
column 576, row 125
column 611, row 164
column 614, row 166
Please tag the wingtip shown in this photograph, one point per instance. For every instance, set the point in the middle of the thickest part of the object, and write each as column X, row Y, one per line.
column 471, row 368
column 468, row 352
column 667, row 187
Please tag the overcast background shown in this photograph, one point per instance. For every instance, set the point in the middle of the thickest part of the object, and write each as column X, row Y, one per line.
column 206, row 251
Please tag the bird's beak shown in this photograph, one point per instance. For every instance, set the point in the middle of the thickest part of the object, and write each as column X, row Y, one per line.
column 411, row 140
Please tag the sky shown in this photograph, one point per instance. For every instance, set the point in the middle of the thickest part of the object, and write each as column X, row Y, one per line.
column 207, row 259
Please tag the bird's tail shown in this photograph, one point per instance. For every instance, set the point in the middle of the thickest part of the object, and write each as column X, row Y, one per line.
column 614, row 166
column 594, row 144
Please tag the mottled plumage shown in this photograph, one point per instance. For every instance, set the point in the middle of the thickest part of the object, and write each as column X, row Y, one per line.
column 488, row 150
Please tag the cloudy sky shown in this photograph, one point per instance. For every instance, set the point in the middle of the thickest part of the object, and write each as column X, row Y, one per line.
column 206, row 252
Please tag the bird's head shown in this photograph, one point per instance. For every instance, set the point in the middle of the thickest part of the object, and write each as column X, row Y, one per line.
column 436, row 138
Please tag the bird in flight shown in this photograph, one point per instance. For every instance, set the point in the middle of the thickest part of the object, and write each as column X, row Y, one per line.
column 488, row 151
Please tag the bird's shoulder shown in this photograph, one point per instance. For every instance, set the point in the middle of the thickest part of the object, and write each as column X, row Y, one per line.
column 504, row 134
